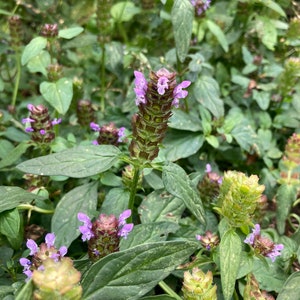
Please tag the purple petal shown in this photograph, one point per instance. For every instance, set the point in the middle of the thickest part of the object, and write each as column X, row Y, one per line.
column 30, row 107
column 95, row 142
column 198, row 237
column 207, row 168
column 123, row 216
column 83, row 218
column 87, row 233
column 28, row 273
column 94, row 126
column 27, row 120
column 121, row 134
column 50, row 239
column 123, row 232
column 29, row 129
column 56, row 121
column 26, row 263
column 42, row 131
column 32, row 246
column 63, row 251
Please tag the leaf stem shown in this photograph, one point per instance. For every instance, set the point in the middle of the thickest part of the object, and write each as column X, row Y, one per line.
column 35, row 208
column 102, row 101
column 168, row 290
column 136, row 174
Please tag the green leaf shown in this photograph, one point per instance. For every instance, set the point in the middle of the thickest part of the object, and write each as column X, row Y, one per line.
column 185, row 121
column 12, row 196
column 59, row 94
column 262, row 99
column 182, row 17
column 134, row 272
column 213, row 141
column 178, row 184
column 285, row 197
column 274, row 6
column 230, row 255
column 158, row 207
column 266, row 31
column 69, row 33
column 33, row 49
column 124, row 11
column 114, row 57
column 78, row 162
column 26, row 292
column 206, row 91
column 10, row 226
column 218, row 33
column 115, row 202
column 14, row 154
column 179, row 144
column 64, row 221
column 291, row 288
column 148, row 233
column 39, row 63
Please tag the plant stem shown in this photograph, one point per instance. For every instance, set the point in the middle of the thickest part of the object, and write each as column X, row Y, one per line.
column 35, row 208
column 102, row 104
column 136, row 174
column 17, row 82
column 168, row 290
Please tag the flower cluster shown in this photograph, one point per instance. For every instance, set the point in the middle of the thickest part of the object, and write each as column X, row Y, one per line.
column 263, row 245
column 209, row 240
column 85, row 112
column 155, row 100
column 49, row 30
column 103, row 235
column 39, row 124
column 200, row 6
column 108, row 134
column 40, row 254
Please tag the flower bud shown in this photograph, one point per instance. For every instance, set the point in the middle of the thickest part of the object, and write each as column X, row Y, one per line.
column 127, row 177
column 209, row 240
column 85, row 112
column 199, row 286
column 15, row 30
column 57, row 280
column 200, row 6
column 49, row 30
column 238, row 198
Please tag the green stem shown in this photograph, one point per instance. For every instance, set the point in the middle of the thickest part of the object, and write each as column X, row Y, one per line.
column 102, row 104
column 17, row 82
column 136, row 174
column 35, row 208
column 168, row 290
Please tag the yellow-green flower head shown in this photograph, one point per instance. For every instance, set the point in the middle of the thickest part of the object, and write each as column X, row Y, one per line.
column 199, row 286
column 239, row 195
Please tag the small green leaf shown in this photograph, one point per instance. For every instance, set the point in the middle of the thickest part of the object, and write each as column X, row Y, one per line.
column 39, row 63
column 262, row 99
column 78, row 162
column 64, row 221
column 69, row 33
column 213, row 141
column 179, row 185
column 185, row 121
column 274, row 6
column 134, row 271
column 207, row 92
column 12, row 196
column 266, row 31
column 285, row 197
column 291, row 288
column 182, row 16
column 230, row 255
column 14, row 154
column 159, row 207
column 59, row 94
column 218, row 33
column 124, row 11
column 33, row 49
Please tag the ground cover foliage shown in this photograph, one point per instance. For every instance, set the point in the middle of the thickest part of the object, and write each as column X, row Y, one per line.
column 150, row 149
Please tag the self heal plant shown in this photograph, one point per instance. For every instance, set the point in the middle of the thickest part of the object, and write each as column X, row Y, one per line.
column 104, row 234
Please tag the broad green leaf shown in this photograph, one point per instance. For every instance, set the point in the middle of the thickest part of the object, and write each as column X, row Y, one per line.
column 179, row 144
column 266, row 31
column 134, row 272
column 285, row 197
column 10, row 226
column 161, row 207
column 26, row 292
column 124, row 11
column 185, row 121
column 115, row 202
column 262, row 99
column 12, row 196
column 274, row 6
column 148, row 233
column 212, row 140
column 182, row 17
column 179, row 185
column 291, row 288
column 271, row 277
column 33, row 49
column 218, row 33
column 206, row 91
column 39, row 63
column 69, row 33
column 78, row 162
column 59, row 94
column 114, row 57
column 230, row 255
column 14, row 154
column 64, row 221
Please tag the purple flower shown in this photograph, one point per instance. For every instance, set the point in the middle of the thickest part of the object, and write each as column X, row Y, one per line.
column 42, row 131
column 30, row 107
column 32, row 246
column 29, row 129
column 96, row 252
column 95, row 142
column 27, row 120
column 121, row 134
column 198, row 237
column 275, row 251
column 94, row 126
column 123, row 216
column 50, row 239
column 86, row 228
column 208, row 168
column 200, row 5
column 56, row 121
column 179, row 93
column 123, row 232
column 140, row 88
column 251, row 237
column 124, row 228
column 162, row 84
